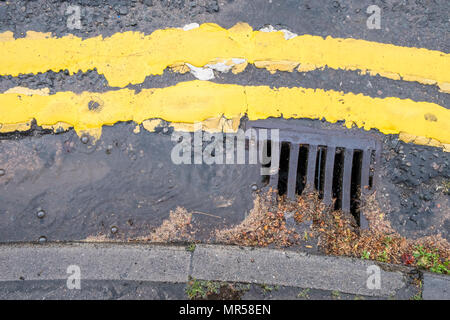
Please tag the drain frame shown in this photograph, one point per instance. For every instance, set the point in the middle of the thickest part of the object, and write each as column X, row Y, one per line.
column 298, row 134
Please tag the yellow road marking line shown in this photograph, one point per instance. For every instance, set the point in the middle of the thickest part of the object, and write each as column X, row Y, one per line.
column 194, row 101
column 131, row 56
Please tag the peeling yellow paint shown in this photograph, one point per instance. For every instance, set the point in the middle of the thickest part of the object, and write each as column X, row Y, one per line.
column 179, row 68
column 94, row 133
column 151, row 124
column 222, row 105
column 60, row 126
column 305, row 67
column 7, row 36
column 444, row 87
column 410, row 138
column 273, row 66
column 235, row 63
column 11, row 127
column 129, row 57
column 33, row 35
column 212, row 125
column 238, row 68
column 28, row 91
column 235, row 67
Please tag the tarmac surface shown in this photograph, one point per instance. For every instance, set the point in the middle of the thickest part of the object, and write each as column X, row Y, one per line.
column 127, row 181
column 412, row 188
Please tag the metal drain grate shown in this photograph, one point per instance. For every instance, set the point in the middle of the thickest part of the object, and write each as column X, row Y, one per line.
column 338, row 164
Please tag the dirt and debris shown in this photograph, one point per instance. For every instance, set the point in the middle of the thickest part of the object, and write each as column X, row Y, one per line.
column 336, row 232
column 265, row 225
column 177, row 228
column 97, row 238
column 215, row 290
column 339, row 234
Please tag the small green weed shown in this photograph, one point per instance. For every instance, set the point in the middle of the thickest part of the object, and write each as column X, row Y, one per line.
column 383, row 257
column 191, row 247
column 429, row 259
column 336, row 294
column 304, row 294
column 365, row 255
column 200, row 289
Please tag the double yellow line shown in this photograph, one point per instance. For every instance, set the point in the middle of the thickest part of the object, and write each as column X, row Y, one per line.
column 131, row 56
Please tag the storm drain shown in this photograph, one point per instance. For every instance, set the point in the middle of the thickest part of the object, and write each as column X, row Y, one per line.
column 338, row 164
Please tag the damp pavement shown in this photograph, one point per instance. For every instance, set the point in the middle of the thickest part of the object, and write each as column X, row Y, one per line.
column 56, row 187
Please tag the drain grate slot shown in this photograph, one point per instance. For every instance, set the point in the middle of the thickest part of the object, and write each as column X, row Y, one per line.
column 337, row 177
column 285, row 168
column 337, row 164
column 329, row 169
column 301, row 169
column 293, row 165
column 320, row 169
column 356, row 183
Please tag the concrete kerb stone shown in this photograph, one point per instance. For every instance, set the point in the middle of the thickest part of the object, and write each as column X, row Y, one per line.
column 175, row 264
column 435, row 286
column 277, row 267
column 96, row 262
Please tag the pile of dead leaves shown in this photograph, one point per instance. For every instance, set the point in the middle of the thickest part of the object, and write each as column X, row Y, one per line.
column 265, row 225
column 174, row 229
column 339, row 234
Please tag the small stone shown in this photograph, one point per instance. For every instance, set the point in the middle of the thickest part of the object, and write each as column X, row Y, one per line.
column 40, row 214
column 427, row 197
column 114, row 229
column 123, row 11
column 42, row 239
column 213, row 7
column 2, row 172
column 254, row 187
column 85, row 139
